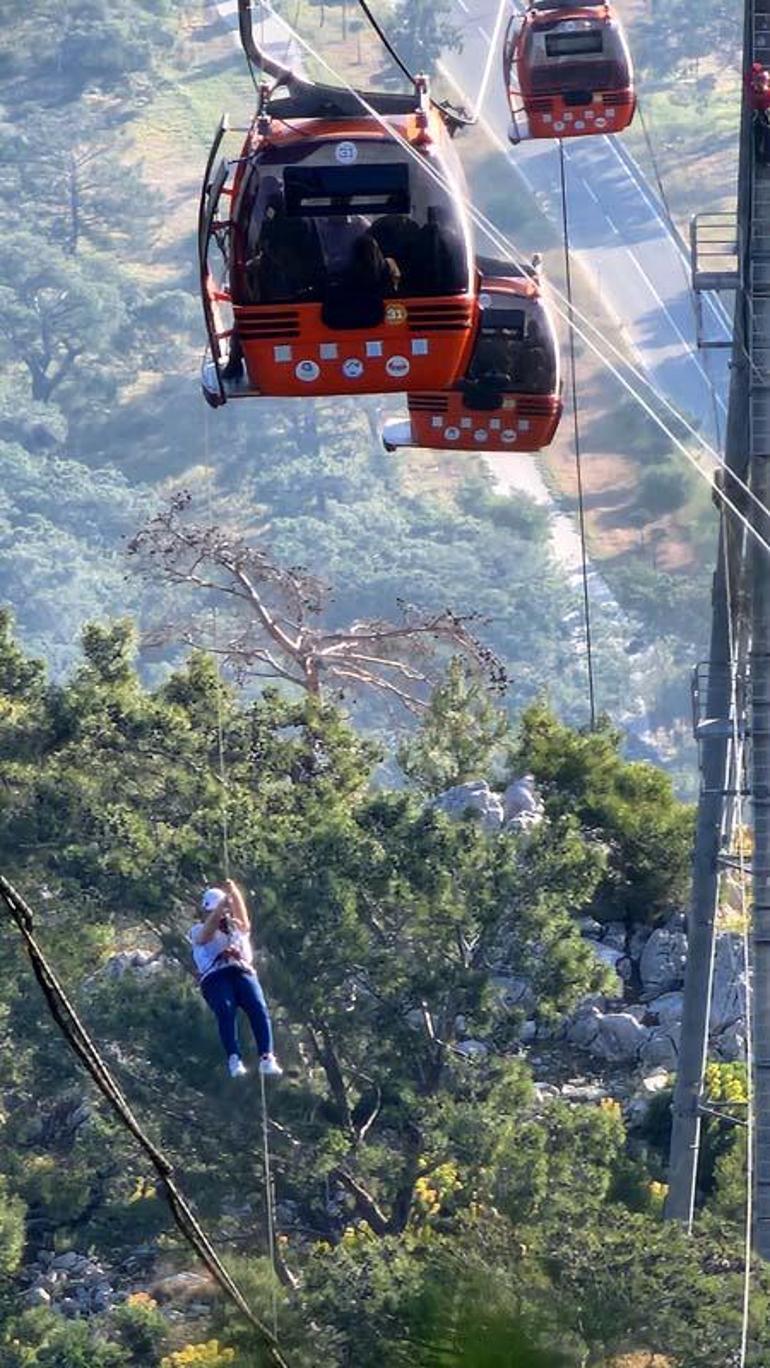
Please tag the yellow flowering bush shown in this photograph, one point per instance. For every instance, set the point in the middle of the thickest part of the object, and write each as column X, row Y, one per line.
column 432, row 1189
column 140, row 1299
column 658, row 1193
column 207, row 1355
column 726, row 1083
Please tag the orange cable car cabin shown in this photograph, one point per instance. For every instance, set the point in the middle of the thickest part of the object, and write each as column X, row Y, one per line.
column 509, row 398
column 568, row 70
column 332, row 261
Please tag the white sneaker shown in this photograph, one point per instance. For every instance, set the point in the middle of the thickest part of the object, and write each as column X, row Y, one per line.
column 236, row 1066
column 269, row 1065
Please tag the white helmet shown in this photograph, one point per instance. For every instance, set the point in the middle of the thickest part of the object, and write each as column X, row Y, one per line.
column 212, row 898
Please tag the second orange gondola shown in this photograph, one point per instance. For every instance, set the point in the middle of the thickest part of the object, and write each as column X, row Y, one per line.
column 509, row 398
column 568, row 70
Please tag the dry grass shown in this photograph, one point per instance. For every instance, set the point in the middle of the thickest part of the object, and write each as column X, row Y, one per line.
column 642, row 1359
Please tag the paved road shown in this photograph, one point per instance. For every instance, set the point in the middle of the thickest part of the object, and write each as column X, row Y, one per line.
column 619, row 236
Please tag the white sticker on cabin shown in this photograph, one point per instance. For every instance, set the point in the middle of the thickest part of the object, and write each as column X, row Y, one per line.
column 451, row 434
column 353, row 369
column 396, row 366
column 307, row 371
column 346, row 152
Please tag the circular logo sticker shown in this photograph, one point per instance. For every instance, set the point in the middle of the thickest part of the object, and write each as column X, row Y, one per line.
column 395, row 313
column 558, row 126
column 485, row 300
column 396, row 366
column 480, row 435
column 601, row 123
column 307, row 371
column 346, row 152
column 508, row 435
column 451, row 434
column 353, row 368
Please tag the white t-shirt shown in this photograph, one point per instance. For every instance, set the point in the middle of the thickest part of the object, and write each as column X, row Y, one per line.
column 212, row 954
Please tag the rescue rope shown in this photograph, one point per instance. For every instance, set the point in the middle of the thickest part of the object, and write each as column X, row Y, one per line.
column 269, row 1203
column 82, row 1045
column 223, row 813
column 224, row 818
column 576, row 443
column 503, row 243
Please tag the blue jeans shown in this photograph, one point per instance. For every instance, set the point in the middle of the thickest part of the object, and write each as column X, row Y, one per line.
column 225, row 991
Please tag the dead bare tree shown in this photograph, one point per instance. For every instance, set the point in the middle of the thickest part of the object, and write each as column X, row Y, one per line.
column 274, row 624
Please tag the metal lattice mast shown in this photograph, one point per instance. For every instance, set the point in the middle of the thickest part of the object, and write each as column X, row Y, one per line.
column 714, row 724
column 759, row 351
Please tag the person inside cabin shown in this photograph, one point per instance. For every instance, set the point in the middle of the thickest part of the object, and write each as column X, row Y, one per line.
column 339, row 234
column 224, row 959
column 286, row 265
column 355, row 299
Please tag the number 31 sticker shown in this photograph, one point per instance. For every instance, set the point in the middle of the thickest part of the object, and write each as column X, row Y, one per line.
column 346, row 152
column 395, row 314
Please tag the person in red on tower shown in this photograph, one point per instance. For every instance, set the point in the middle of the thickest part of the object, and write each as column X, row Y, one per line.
column 758, row 85
column 758, row 89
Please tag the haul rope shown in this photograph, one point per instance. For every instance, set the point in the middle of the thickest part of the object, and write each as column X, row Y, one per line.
column 576, row 439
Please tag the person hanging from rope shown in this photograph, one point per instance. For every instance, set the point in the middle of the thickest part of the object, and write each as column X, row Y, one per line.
column 224, row 959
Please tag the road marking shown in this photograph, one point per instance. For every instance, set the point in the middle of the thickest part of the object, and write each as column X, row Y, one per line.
column 486, row 36
column 463, row 6
column 590, row 190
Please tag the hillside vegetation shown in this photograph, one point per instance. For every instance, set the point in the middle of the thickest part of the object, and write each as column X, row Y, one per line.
column 430, row 1198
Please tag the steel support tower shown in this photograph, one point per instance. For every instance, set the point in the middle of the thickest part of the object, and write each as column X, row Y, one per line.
column 741, row 620
column 759, row 579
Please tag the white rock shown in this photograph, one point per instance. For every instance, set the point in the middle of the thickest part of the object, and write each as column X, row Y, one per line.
column 527, row 1032
column 185, row 1286
column 667, row 1008
column 728, row 996
column 619, row 1038
column 544, row 1092
column 476, row 797
column 661, row 1050
column 611, row 959
column 513, row 992
column 583, row 1028
column 141, row 963
column 37, row 1296
column 583, row 1092
column 655, row 1082
column 636, row 1009
column 473, row 1049
column 589, row 928
column 662, row 963
column 520, row 796
column 730, row 1045
column 608, row 954
column 615, row 935
column 637, row 941
column 522, row 809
